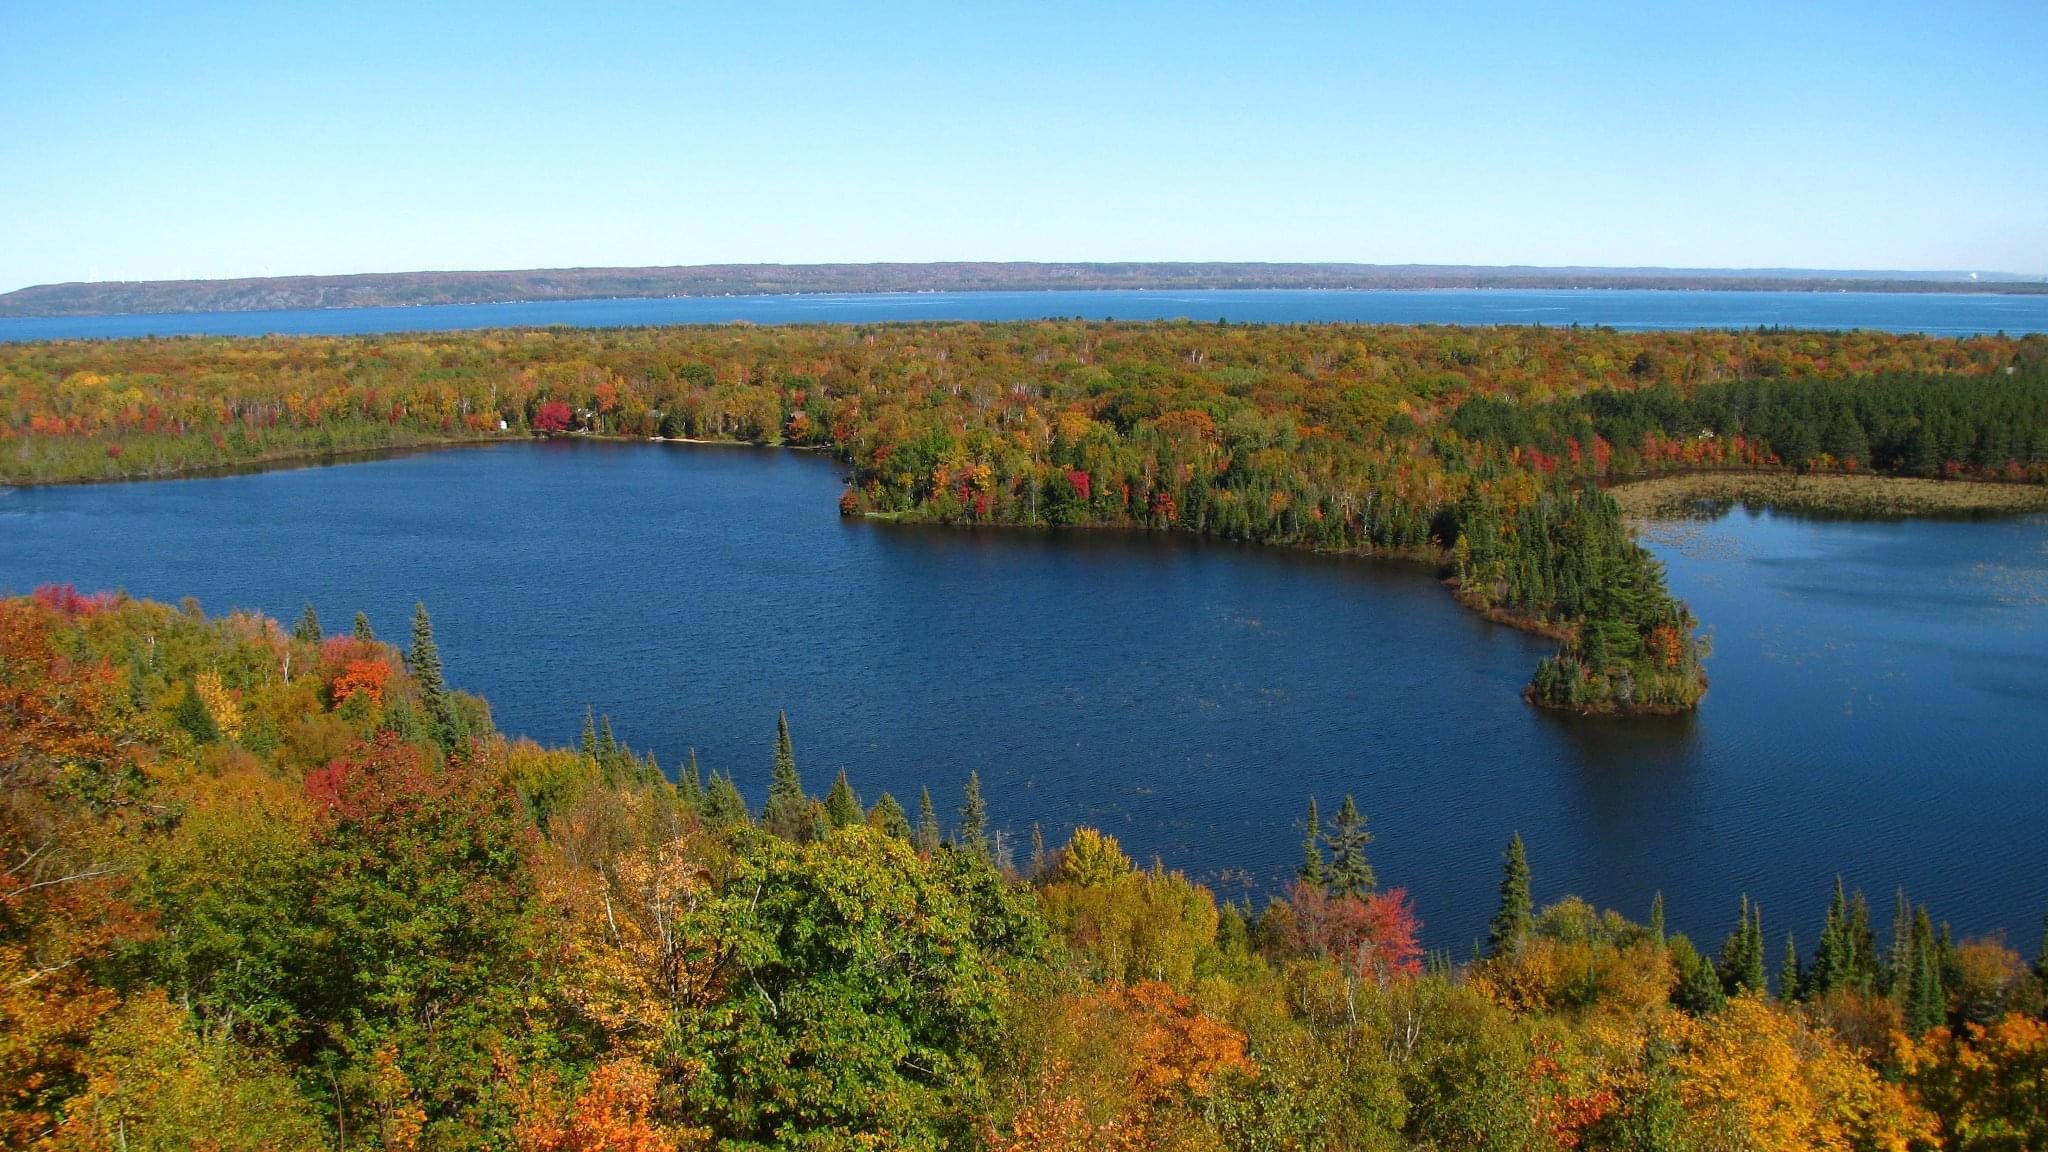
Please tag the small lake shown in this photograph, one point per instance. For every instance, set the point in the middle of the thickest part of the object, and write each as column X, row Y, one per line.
column 1878, row 688
column 1939, row 314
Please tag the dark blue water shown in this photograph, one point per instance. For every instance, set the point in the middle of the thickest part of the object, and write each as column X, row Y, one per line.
column 1878, row 688
column 1935, row 314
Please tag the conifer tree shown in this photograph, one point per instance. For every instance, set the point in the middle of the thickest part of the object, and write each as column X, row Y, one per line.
column 1699, row 989
column 887, row 818
column 1512, row 922
column 1350, row 872
column 1831, row 961
column 424, row 662
column 1862, row 945
column 690, row 783
column 1742, row 954
column 587, row 743
column 1312, row 871
column 788, row 812
column 1657, row 918
column 1926, row 1005
column 926, row 838
column 842, row 807
column 973, row 834
column 1038, row 861
column 723, row 804
column 1898, row 961
column 607, row 744
column 362, row 628
column 307, row 630
column 192, row 715
column 1791, row 981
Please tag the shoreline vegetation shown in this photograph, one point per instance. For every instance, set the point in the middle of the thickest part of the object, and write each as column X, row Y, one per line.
column 1825, row 494
column 415, row 289
column 279, row 889
column 1483, row 448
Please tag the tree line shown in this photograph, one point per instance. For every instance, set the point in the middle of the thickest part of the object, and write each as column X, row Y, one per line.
column 1412, row 441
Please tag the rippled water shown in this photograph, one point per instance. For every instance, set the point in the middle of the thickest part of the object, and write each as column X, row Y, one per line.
column 1876, row 708
column 1940, row 314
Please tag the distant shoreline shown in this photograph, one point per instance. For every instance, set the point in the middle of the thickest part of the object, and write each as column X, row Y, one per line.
column 430, row 289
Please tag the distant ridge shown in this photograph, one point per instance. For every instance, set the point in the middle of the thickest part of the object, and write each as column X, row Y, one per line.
column 405, row 289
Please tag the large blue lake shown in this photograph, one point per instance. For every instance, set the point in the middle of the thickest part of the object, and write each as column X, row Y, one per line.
column 1878, row 688
column 1958, row 314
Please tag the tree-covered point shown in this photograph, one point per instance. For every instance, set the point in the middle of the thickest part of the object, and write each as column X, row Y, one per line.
column 1382, row 440
column 324, row 919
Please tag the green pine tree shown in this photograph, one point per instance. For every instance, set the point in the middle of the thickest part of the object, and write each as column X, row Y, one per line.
column 1698, row 990
column 842, row 807
column 1312, row 871
column 1926, row 1005
column 1831, row 962
column 788, row 812
column 1741, row 966
column 1657, row 918
column 926, row 838
column 1511, row 924
column 690, row 783
column 1350, row 872
column 887, row 818
column 607, row 744
column 362, row 629
column 973, row 833
column 192, row 715
column 307, row 630
column 424, row 662
column 1791, row 980
column 587, row 743
column 723, row 804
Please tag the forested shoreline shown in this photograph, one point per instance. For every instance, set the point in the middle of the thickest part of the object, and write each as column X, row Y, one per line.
column 280, row 888
column 1479, row 448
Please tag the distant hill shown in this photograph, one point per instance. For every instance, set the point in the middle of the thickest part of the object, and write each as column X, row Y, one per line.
column 402, row 289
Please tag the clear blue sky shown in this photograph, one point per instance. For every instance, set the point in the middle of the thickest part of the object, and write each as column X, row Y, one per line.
column 143, row 141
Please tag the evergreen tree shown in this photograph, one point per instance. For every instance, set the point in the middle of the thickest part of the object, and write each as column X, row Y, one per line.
column 1899, row 962
column 887, row 818
column 587, row 743
column 424, row 662
column 192, row 715
column 1657, row 918
column 723, row 804
column 842, row 807
column 362, row 628
column 1862, row 945
column 1698, row 990
column 1350, row 873
column 1038, row 861
column 1831, row 961
column 1791, row 981
column 1926, row 1005
column 1741, row 966
column 607, row 744
column 1312, row 871
column 1512, row 922
column 788, row 812
column 307, row 630
column 926, row 838
column 690, row 783
column 973, row 834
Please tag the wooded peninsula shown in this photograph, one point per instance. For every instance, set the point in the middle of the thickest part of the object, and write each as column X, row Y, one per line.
column 1479, row 449
column 273, row 889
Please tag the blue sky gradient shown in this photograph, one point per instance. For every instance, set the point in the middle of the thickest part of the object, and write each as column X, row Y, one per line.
column 143, row 141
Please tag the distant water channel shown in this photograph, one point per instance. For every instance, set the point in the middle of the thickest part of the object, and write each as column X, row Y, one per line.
column 1938, row 314
column 1877, row 703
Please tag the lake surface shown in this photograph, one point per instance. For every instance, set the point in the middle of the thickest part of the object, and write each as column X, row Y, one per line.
column 1878, row 688
column 1942, row 314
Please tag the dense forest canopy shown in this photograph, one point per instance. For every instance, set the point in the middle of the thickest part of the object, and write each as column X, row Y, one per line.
column 270, row 888
column 1477, row 448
